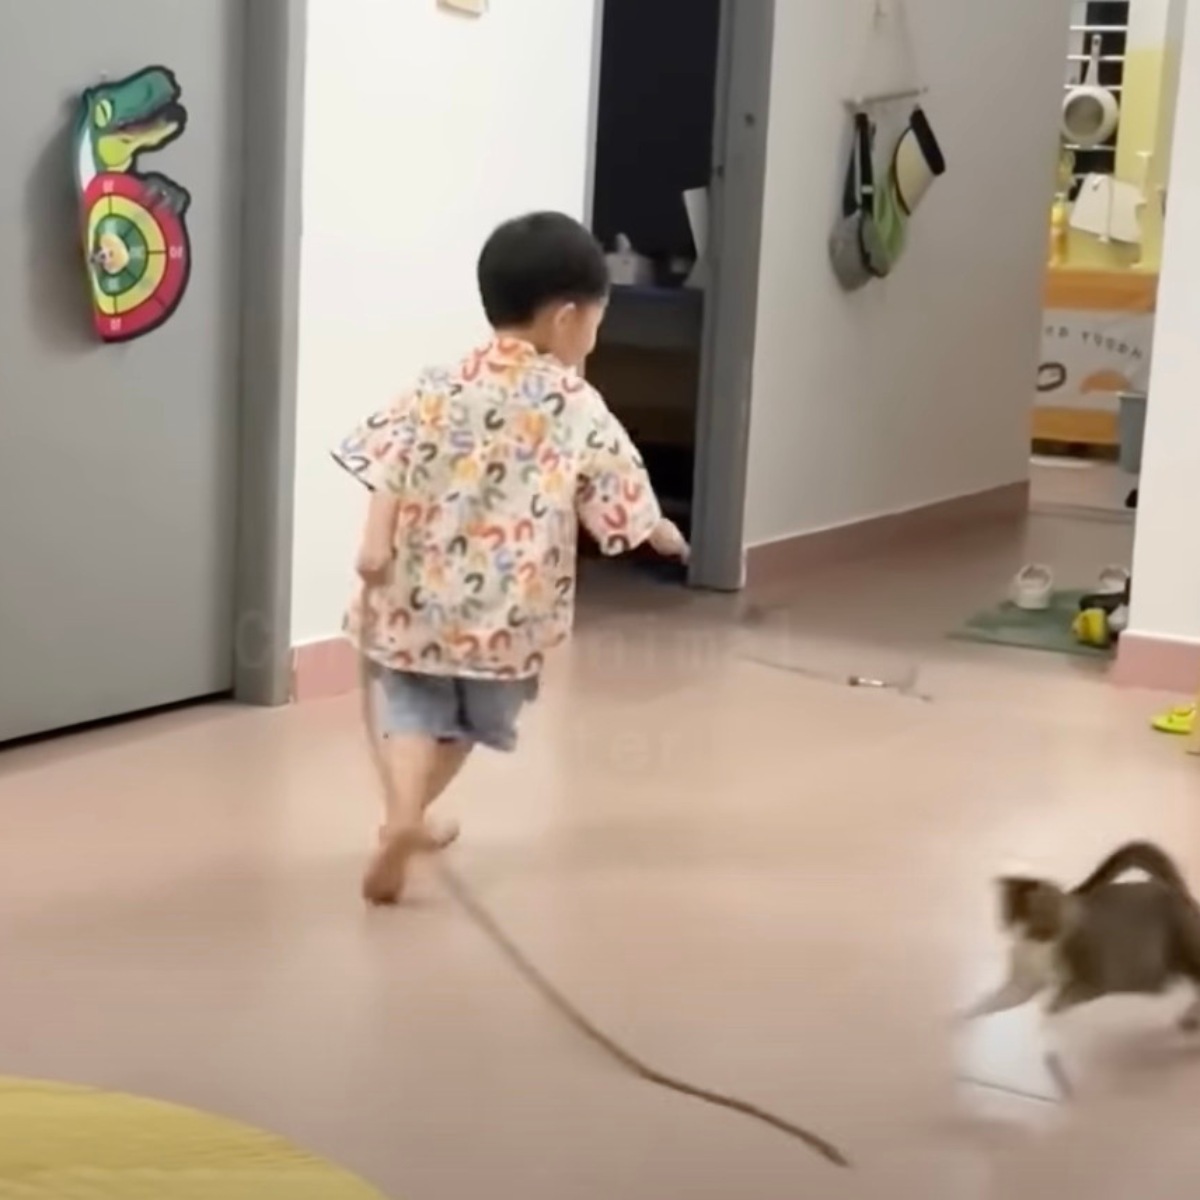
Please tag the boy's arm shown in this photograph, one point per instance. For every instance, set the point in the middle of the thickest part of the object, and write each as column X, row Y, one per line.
column 378, row 545
column 615, row 500
column 378, row 454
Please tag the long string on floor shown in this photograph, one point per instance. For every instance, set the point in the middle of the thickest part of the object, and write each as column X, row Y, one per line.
column 495, row 933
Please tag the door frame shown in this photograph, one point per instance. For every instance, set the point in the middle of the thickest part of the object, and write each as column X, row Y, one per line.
column 273, row 68
column 737, row 183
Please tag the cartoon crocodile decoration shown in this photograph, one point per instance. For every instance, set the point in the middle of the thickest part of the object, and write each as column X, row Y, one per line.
column 134, row 223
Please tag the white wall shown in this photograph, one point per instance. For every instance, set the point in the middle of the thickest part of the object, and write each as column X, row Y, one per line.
column 1166, row 567
column 1168, row 97
column 1147, row 24
column 918, row 389
column 423, row 131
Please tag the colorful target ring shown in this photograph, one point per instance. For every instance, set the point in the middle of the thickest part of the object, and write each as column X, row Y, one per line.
column 139, row 256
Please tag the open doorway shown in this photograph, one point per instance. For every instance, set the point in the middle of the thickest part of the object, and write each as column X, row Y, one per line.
column 1104, row 256
column 680, row 94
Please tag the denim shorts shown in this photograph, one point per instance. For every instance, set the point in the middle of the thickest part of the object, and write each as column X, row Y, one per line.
column 481, row 711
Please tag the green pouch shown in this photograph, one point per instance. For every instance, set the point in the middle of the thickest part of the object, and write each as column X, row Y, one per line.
column 916, row 162
column 891, row 223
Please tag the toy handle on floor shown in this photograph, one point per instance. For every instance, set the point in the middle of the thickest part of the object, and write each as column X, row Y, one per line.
column 487, row 924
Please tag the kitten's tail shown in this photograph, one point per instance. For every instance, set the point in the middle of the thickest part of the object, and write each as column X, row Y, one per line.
column 1136, row 856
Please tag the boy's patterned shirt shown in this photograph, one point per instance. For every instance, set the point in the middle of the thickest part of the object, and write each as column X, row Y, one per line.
column 495, row 462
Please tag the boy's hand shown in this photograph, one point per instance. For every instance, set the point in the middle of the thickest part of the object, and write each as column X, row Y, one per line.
column 377, row 546
column 669, row 542
column 374, row 563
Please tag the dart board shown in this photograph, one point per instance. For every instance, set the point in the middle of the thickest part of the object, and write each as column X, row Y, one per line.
column 139, row 256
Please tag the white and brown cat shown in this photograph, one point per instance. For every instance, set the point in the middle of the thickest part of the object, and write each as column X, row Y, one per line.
column 1108, row 936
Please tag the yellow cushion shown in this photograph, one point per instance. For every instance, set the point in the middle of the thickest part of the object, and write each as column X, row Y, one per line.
column 70, row 1143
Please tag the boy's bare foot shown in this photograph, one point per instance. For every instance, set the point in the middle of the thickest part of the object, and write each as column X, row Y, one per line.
column 443, row 834
column 384, row 881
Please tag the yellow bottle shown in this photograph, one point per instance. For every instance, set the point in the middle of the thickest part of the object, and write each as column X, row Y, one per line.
column 1060, row 232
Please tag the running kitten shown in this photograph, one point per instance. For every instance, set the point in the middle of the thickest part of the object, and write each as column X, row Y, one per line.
column 1102, row 938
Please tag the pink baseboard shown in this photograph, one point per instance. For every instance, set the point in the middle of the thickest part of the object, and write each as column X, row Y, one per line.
column 323, row 669
column 1162, row 664
column 771, row 562
column 330, row 668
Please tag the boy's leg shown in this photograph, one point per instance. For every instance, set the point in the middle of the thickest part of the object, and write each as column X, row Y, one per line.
column 485, row 713
column 410, row 761
column 450, row 758
column 417, row 713
column 452, row 716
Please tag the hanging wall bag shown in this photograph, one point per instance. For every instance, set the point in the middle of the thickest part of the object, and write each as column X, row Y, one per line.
column 916, row 162
column 855, row 250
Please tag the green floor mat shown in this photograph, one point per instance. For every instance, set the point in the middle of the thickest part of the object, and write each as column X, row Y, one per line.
column 1050, row 629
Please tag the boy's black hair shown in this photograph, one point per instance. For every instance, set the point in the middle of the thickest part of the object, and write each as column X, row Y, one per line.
column 536, row 260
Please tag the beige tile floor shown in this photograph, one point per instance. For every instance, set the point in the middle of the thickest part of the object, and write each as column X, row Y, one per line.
column 770, row 883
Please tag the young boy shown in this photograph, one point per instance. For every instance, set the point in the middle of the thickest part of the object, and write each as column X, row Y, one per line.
column 479, row 477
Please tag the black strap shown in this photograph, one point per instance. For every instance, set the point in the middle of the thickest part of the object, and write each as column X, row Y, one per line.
column 935, row 159
column 866, row 170
column 859, row 190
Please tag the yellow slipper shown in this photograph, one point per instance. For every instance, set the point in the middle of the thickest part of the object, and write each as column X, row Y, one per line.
column 1091, row 628
column 1180, row 719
